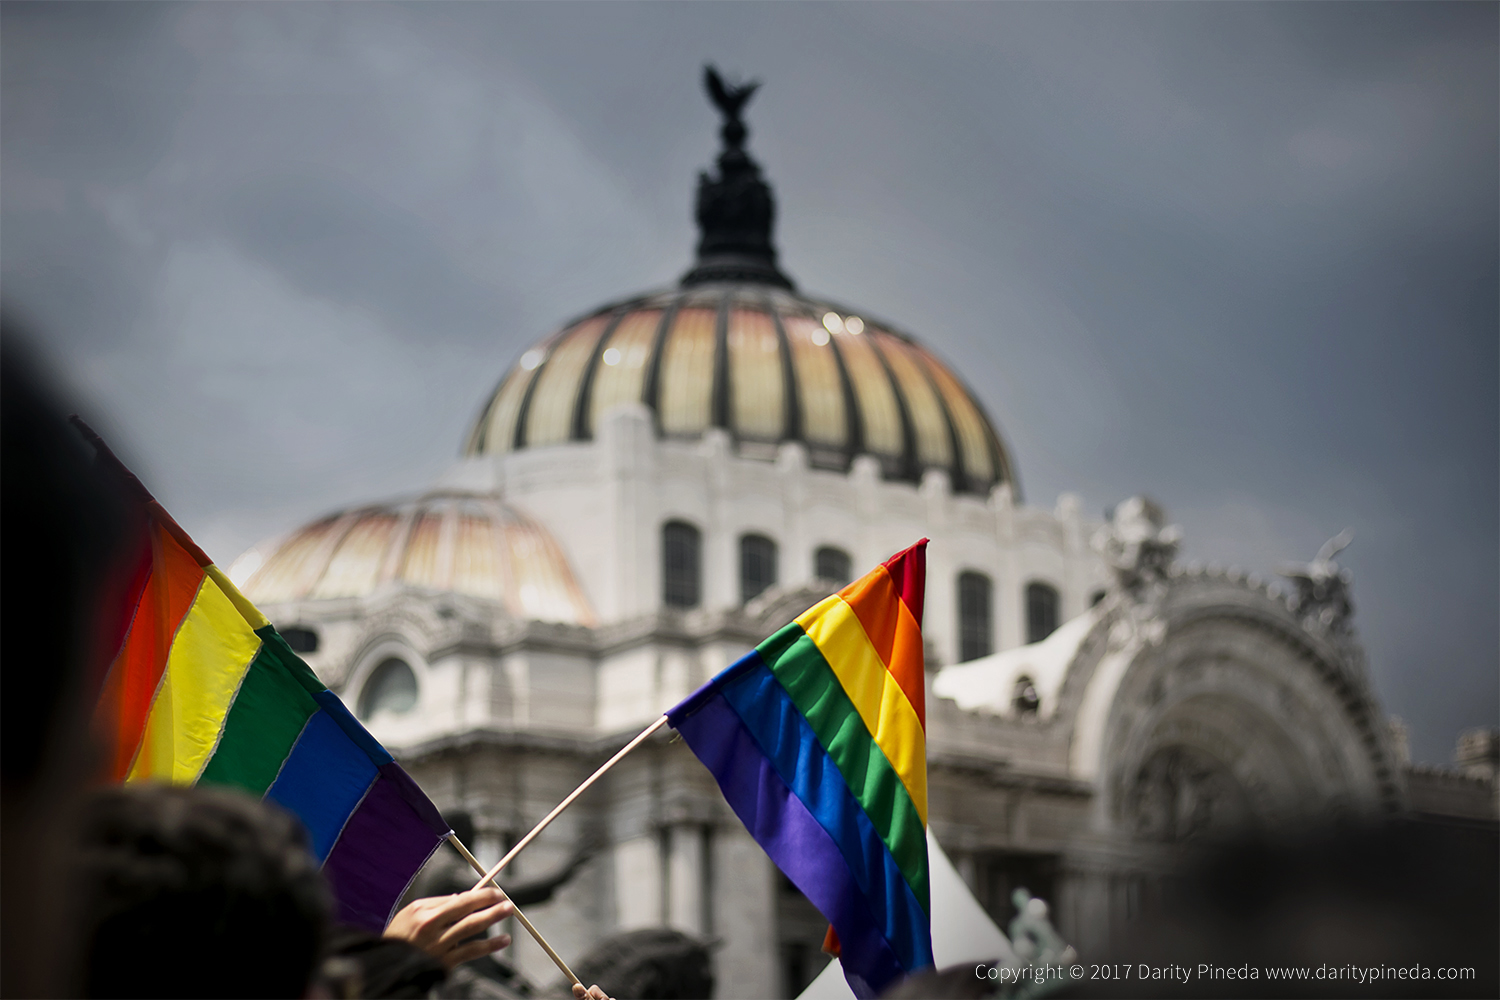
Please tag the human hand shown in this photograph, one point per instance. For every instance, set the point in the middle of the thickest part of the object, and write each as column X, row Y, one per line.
column 592, row 993
column 439, row 925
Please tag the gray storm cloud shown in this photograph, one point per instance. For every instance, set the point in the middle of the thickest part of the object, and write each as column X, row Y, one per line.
column 1240, row 257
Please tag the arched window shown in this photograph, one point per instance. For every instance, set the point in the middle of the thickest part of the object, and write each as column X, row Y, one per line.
column 757, row 566
column 302, row 640
column 832, row 564
column 976, row 634
column 1041, row 611
column 1025, row 700
column 681, row 565
column 392, row 687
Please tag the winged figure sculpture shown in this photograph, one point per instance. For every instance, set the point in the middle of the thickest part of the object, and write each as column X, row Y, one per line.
column 729, row 98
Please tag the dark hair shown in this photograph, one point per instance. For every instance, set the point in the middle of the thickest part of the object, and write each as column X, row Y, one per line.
column 359, row 964
column 197, row 892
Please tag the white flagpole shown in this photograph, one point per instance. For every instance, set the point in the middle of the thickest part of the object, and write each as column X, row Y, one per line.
column 530, row 927
column 500, row 865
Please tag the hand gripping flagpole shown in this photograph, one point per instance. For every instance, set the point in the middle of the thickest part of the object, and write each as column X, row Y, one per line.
column 500, row 865
column 530, row 927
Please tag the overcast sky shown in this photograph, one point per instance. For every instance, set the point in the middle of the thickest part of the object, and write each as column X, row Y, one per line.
column 1239, row 257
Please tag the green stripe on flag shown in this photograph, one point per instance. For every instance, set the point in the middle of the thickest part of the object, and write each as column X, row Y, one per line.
column 800, row 667
column 267, row 716
column 290, row 661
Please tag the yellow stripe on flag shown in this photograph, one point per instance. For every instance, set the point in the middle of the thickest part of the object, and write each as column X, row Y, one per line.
column 884, row 707
column 249, row 611
column 207, row 662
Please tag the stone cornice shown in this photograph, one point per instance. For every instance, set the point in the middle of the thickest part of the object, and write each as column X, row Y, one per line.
column 1000, row 773
column 497, row 738
column 673, row 628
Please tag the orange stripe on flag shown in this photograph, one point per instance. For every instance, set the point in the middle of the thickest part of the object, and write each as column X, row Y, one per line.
column 130, row 688
column 893, row 632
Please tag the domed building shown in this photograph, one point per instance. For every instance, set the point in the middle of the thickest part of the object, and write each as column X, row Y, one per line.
column 663, row 481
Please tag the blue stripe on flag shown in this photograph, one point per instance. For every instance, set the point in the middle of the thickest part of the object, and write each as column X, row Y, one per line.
column 323, row 779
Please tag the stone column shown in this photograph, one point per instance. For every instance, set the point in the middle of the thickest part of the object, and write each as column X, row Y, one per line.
column 721, row 549
column 685, row 870
column 744, row 917
column 627, row 453
column 638, row 883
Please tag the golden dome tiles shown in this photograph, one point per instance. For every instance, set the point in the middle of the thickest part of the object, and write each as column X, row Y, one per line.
column 765, row 364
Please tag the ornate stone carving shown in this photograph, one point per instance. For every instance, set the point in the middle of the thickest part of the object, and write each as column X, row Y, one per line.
column 1182, row 793
column 1139, row 547
column 1322, row 599
column 1025, row 702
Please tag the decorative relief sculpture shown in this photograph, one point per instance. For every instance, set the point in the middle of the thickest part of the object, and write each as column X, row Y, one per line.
column 1322, row 599
column 1181, row 794
column 1025, row 701
column 1139, row 546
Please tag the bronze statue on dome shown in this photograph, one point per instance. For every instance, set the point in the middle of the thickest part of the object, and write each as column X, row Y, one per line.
column 730, row 99
column 735, row 210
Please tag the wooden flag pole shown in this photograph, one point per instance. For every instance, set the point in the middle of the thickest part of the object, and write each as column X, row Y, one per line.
column 500, row 865
column 530, row 927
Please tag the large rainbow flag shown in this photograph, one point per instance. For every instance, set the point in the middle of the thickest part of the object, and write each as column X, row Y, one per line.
column 817, row 739
column 205, row 691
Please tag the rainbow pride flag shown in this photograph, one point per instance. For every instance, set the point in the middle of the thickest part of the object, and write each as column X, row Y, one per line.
column 817, row 738
column 204, row 691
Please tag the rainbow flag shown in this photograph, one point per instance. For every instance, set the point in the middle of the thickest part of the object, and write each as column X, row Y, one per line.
column 204, row 691
column 817, row 738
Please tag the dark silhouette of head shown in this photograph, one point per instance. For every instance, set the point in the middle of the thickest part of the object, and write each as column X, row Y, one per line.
column 196, row 892
column 73, row 546
column 652, row 964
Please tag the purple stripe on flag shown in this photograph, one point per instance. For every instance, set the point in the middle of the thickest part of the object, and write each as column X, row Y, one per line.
column 417, row 799
column 792, row 838
column 386, row 841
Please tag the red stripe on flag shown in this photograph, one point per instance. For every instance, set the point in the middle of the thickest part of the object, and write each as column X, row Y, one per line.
column 908, row 569
column 124, row 589
column 131, row 685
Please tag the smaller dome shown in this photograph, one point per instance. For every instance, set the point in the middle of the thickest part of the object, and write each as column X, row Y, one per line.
column 459, row 543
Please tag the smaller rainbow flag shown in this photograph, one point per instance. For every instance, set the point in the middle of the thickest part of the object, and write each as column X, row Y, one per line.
column 817, row 737
column 205, row 691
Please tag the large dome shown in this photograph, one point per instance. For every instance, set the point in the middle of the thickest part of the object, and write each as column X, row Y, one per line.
column 737, row 347
column 441, row 542
column 761, row 361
